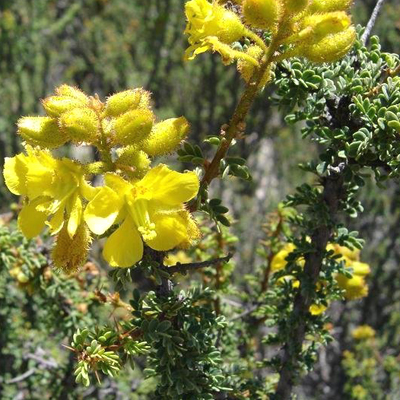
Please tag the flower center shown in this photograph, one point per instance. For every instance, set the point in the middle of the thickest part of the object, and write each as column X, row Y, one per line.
column 141, row 217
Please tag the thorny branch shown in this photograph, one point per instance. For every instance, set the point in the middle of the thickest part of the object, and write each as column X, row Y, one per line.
column 331, row 196
column 184, row 268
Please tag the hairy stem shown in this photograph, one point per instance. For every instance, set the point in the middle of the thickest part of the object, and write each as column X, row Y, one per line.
column 236, row 124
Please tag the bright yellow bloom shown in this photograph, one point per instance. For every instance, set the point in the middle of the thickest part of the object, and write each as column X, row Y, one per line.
column 52, row 188
column 279, row 261
column 210, row 20
column 317, row 309
column 363, row 332
column 151, row 209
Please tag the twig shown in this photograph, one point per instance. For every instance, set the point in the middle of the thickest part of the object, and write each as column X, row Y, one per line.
column 46, row 363
column 245, row 313
column 331, row 195
column 22, row 377
column 371, row 22
column 184, row 268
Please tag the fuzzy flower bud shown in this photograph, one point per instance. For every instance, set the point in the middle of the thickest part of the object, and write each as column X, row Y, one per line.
column 262, row 14
column 41, row 131
column 296, row 6
column 321, row 6
column 71, row 91
column 134, row 162
column 247, row 69
column 122, row 102
column 166, row 136
column 133, row 126
column 332, row 47
column 323, row 25
column 57, row 105
column 80, row 124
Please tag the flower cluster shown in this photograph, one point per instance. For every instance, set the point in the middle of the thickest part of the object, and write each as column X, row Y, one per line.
column 319, row 30
column 354, row 287
column 144, row 204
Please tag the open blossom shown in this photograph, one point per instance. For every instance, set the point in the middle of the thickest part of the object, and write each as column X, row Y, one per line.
column 53, row 191
column 150, row 210
column 207, row 20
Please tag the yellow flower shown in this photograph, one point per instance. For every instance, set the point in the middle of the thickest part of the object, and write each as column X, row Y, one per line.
column 317, row 309
column 151, row 209
column 52, row 187
column 279, row 261
column 356, row 286
column 363, row 332
column 205, row 20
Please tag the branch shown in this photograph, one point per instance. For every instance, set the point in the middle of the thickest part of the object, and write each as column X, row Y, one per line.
column 371, row 22
column 297, row 323
column 46, row 363
column 22, row 377
column 246, row 312
column 184, row 268
column 236, row 126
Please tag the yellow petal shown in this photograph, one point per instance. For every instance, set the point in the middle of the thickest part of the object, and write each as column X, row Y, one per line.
column 75, row 217
column 117, row 183
column 15, row 170
column 30, row 221
column 102, row 211
column 171, row 230
column 57, row 221
column 170, row 187
column 360, row 268
column 87, row 190
column 124, row 247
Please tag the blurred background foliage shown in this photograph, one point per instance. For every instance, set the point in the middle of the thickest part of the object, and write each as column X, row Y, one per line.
column 104, row 46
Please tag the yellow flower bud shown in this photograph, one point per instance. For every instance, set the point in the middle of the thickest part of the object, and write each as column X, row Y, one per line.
column 247, row 69
column 133, row 126
column 230, row 27
column 122, row 102
column 69, row 254
column 262, row 14
column 57, row 105
column 41, row 131
column 296, row 6
column 134, row 162
column 166, row 136
column 71, row 91
column 330, row 48
column 80, row 124
column 321, row 6
column 327, row 24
